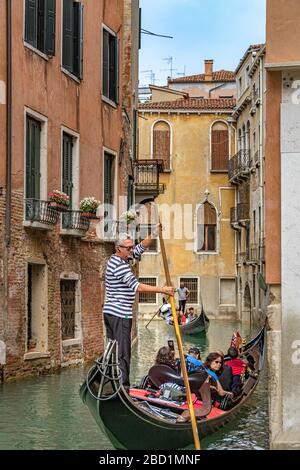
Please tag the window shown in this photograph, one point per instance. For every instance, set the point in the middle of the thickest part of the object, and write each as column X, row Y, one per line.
column 40, row 25
column 37, row 322
column 109, row 197
column 191, row 283
column 67, row 297
column 240, row 86
column 110, row 66
column 148, row 297
column 227, row 292
column 219, row 147
column 72, row 45
column 67, row 167
column 33, row 158
column 162, row 143
column 206, row 228
column 130, row 192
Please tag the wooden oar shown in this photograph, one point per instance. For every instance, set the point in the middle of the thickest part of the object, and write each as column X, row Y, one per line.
column 152, row 318
column 179, row 343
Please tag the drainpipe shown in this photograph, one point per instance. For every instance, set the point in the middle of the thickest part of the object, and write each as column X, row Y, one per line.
column 8, row 121
column 261, row 157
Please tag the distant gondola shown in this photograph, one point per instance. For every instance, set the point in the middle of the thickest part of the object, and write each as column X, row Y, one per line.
column 199, row 325
column 139, row 422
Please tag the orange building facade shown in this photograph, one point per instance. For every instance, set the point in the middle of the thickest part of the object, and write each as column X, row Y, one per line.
column 68, row 78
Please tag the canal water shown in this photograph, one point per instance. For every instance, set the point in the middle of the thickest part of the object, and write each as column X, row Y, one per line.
column 46, row 412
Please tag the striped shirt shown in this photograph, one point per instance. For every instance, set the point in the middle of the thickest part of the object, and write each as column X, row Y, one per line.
column 121, row 285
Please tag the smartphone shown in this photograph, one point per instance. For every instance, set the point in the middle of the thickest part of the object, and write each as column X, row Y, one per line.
column 171, row 344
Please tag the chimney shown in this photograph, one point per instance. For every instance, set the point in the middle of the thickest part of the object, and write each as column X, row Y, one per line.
column 209, row 64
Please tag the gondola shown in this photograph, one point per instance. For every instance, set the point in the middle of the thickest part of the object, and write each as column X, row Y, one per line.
column 199, row 325
column 136, row 422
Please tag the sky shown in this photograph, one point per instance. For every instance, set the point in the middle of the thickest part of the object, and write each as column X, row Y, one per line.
column 221, row 30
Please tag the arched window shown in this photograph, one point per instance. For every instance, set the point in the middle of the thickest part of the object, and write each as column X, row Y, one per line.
column 219, row 147
column 162, row 143
column 206, row 228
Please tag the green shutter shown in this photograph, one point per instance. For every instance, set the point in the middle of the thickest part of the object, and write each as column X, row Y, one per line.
column 68, row 166
column 68, row 33
column 113, row 68
column 78, row 40
column 31, row 21
column 50, row 7
column 140, row 28
column 105, row 68
column 33, row 155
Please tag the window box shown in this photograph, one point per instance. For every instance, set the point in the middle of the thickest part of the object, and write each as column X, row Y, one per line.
column 38, row 215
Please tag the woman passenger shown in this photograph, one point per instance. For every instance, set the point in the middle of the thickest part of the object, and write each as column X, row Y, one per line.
column 214, row 366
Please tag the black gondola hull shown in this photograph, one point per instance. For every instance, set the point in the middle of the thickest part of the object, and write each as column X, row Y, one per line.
column 128, row 426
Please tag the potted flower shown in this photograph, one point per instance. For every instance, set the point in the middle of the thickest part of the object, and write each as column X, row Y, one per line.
column 58, row 200
column 89, row 206
column 128, row 217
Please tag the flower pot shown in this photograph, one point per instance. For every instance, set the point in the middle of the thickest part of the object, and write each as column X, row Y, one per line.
column 90, row 215
column 58, row 207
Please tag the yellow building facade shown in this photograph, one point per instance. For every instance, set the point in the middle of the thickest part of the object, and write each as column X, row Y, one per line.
column 195, row 138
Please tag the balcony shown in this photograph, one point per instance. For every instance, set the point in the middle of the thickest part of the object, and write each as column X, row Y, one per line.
column 74, row 224
column 239, row 215
column 243, row 212
column 39, row 215
column 262, row 250
column 254, row 253
column 147, row 183
column 239, row 167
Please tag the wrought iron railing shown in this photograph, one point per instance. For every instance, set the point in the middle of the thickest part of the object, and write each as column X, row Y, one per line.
column 239, row 165
column 75, row 220
column 243, row 211
column 254, row 252
column 233, row 216
column 40, row 211
column 262, row 250
column 147, row 175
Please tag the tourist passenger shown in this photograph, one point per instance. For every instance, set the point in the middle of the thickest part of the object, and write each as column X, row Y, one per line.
column 166, row 356
column 214, row 365
column 121, row 287
column 191, row 314
column 238, row 368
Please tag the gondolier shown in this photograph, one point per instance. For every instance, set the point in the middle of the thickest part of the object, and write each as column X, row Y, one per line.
column 183, row 294
column 121, row 287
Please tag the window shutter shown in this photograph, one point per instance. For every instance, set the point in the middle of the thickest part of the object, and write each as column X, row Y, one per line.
column 33, row 149
column 224, row 142
column 31, row 20
column 140, row 28
column 37, row 159
column 161, row 146
column 113, row 52
column 68, row 166
column 81, row 9
column 108, row 183
column 50, row 12
column 116, row 66
column 105, row 65
column 215, row 150
column 68, row 25
column 78, row 40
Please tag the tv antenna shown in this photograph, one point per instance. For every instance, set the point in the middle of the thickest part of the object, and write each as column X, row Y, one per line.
column 151, row 75
column 169, row 60
column 182, row 74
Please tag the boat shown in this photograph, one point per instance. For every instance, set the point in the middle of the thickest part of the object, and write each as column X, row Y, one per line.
column 140, row 421
column 199, row 325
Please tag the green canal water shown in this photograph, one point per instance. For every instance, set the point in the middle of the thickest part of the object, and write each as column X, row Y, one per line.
column 46, row 412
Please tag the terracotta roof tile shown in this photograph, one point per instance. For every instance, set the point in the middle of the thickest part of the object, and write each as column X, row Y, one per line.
column 219, row 76
column 192, row 104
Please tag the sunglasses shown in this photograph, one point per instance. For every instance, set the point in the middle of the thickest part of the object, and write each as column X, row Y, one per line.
column 128, row 248
column 218, row 362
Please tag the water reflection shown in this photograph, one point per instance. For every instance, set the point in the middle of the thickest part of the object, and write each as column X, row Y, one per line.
column 46, row 412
